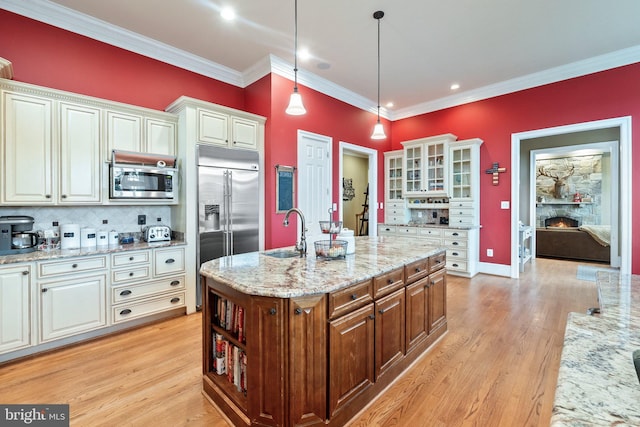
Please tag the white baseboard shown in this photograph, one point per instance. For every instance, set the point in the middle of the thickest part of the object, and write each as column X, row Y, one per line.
column 495, row 269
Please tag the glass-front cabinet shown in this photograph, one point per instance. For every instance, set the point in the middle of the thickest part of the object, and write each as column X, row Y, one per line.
column 393, row 176
column 464, row 169
column 426, row 165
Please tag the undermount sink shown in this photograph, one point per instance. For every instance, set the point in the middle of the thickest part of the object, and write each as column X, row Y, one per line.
column 282, row 254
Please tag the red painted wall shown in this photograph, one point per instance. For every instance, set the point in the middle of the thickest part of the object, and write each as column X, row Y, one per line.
column 604, row 95
column 49, row 56
column 325, row 116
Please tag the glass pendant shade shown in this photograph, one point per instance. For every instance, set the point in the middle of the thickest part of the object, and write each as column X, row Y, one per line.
column 295, row 107
column 378, row 132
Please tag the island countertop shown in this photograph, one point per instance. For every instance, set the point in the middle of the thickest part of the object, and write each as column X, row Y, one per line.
column 597, row 384
column 258, row 273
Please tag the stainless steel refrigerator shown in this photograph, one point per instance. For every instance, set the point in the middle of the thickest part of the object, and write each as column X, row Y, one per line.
column 228, row 203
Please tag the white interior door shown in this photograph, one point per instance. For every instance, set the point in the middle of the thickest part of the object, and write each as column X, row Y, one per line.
column 314, row 182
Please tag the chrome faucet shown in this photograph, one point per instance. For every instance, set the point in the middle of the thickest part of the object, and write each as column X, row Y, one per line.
column 301, row 246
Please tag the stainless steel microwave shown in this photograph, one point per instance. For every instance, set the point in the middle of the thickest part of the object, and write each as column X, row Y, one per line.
column 142, row 182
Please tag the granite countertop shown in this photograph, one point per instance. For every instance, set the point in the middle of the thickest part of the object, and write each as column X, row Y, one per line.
column 257, row 273
column 450, row 226
column 69, row 253
column 597, row 383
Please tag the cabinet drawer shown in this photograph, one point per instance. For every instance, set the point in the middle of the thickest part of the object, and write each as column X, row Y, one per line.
column 461, row 221
column 395, row 205
column 394, row 219
column 461, row 212
column 455, row 244
column 456, row 264
column 416, row 270
column 74, row 265
column 348, row 299
column 433, row 232
column 457, row 204
column 456, row 253
column 134, row 274
column 169, row 261
column 122, row 259
column 134, row 310
column 456, row 234
column 126, row 292
column 437, row 261
column 388, row 282
column 386, row 229
column 409, row 231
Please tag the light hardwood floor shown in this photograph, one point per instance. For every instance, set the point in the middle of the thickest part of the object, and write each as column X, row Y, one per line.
column 497, row 365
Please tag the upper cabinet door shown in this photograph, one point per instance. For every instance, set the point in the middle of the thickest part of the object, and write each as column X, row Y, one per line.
column 124, row 132
column 79, row 154
column 213, row 128
column 27, row 149
column 244, row 133
column 160, row 137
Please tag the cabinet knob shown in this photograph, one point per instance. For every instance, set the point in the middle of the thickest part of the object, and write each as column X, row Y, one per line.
column 74, row 265
column 417, row 269
column 354, row 297
column 131, row 258
column 175, row 300
column 272, row 311
column 26, row 272
column 170, row 261
column 131, row 274
column 64, row 196
column 125, row 292
column 298, row 310
column 389, row 281
column 48, row 196
column 381, row 311
column 371, row 316
column 44, row 290
column 125, row 312
column 175, row 283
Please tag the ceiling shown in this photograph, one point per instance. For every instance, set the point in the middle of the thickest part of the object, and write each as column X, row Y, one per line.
column 489, row 47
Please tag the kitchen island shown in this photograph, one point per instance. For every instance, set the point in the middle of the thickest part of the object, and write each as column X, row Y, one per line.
column 312, row 341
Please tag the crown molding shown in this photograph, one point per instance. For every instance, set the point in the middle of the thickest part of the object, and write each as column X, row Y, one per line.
column 552, row 75
column 68, row 19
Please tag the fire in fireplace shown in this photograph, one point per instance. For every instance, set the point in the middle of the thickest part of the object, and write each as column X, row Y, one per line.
column 561, row 221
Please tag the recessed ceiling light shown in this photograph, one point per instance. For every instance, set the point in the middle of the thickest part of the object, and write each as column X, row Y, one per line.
column 304, row 54
column 455, row 86
column 228, row 14
column 389, row 104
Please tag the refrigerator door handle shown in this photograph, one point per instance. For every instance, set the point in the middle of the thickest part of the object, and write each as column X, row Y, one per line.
column 230, row 210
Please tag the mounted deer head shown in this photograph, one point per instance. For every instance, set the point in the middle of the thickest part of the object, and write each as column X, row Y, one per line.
column 560, row 188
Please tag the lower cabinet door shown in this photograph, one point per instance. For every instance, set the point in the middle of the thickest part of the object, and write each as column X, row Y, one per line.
column 437, row 299
column 15, row 315
column 417, row 312
column 72, row 306
column 351, row 356
column 308, row 360
column 390, row 331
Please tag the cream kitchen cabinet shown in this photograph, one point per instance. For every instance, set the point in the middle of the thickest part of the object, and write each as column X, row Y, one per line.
column 27, row 142
column 394, row 208
column 139, row 132
column 426, row 165
column 43, row 166
column 139, row 289
column 227, row 130
column 464, row 180
column 15, row 313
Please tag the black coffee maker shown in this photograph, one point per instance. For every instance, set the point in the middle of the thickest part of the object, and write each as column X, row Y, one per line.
column 16, row 236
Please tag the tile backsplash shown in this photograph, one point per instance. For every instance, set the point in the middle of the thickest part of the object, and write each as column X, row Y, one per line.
column 123, row 219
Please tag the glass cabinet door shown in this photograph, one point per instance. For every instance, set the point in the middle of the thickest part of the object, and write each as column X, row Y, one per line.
column 413, row 169
column 394, row 178
column 435, row 167
column 461, row 173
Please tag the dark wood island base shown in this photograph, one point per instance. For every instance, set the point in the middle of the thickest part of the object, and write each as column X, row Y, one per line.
column 318, row 359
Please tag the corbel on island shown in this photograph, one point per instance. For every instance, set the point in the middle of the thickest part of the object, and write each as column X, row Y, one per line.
column 310, row 341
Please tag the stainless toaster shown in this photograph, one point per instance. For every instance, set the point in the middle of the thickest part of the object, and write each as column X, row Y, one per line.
column 157, row 233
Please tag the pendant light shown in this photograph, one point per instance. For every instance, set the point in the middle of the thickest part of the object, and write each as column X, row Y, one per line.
column 378, row 130
column 295, row 107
